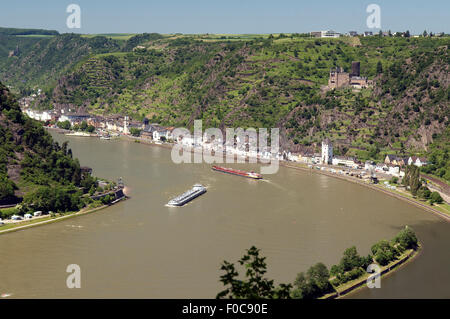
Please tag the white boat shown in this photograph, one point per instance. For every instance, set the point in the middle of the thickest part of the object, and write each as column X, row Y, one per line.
column 186, row 197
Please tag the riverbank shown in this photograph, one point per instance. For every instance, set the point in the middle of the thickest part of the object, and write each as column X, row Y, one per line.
column 8, row 228
column 359, row 283
column 398, row 195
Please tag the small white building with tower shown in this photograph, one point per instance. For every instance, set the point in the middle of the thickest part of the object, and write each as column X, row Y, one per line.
column 327, row 152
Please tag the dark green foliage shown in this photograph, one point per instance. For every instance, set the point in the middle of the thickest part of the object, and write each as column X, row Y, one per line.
column 351, row 266
column 350, row 259
column 379, row 67
column 47, row 168
column 64, row 125
column 135, row 131
column 43, row 60
column 140, row 39
column 54, row 198
column 14, row 31
column 107, row 199
column 7, row 187
column 439, row 156
column 384, row 252
column 255, row 286
column 412, row 179
column 423, row 193
column 317, row 281
column 312, row 285
column 406, row 238
column 435, row 197
column 6, row 213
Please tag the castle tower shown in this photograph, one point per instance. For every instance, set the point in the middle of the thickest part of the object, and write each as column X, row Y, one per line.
column 327, row 152
column 355, row 68
column 125, row 125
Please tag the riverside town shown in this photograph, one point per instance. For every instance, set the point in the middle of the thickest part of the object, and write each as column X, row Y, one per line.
column 225, row 159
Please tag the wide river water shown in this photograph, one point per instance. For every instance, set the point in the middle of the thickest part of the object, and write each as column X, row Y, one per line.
column 142, row 249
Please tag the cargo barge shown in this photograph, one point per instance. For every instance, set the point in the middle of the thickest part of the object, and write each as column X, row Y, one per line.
column 237, row 172
column 186, row 197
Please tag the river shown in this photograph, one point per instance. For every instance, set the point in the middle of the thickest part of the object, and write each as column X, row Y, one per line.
column 140, row 248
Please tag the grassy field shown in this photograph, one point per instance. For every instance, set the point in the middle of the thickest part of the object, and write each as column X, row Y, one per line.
column 114, row 36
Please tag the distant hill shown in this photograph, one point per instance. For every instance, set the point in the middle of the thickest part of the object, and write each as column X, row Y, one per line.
column 42, row 61
column 15, row 31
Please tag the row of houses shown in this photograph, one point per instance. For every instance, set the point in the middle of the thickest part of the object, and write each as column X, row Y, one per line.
column 123, row 124
column 334, row 34
column 403, row 161
column 110, row 123
column 392, row 164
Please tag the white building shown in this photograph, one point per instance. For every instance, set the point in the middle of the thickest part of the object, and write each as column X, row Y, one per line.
column 345, row 161
column 325, row 34
column 160, row 132
column 327, row 152
column 418, row 161
column 37, row 115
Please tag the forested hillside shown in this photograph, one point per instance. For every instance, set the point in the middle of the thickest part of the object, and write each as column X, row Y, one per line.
column 33, row 165
column 265, row 81
column 276, row 83
column 40, row 61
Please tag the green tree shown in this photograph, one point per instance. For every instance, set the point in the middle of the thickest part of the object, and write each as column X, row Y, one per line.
column 350, row 259
column 435, row 197
column 394, row 180
column 64, row 125
column 255, row 286
column 312, row 285
column 423, row 193
column 379, row 67
column 83, row 126
column 384, row 252
column 6, row 187
column 406, row 238
column 135, row 131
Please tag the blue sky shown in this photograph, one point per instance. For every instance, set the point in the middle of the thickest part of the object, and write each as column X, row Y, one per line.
column 229, row 16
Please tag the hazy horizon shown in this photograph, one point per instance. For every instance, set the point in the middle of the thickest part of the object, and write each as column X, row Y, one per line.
column 232, row 17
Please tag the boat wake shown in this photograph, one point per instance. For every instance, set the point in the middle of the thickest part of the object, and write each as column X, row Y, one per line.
column 274, row 184
column 74, row 226
column 126, row 190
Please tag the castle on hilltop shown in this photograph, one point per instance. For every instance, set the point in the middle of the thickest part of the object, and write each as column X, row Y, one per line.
column 338, row 78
